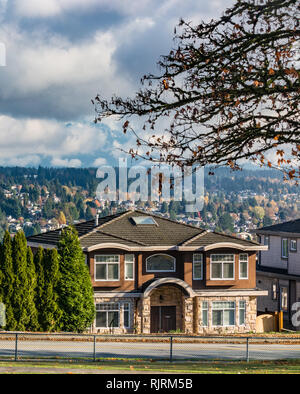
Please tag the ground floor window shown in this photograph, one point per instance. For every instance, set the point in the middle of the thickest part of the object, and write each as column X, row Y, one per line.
column 223, row 313
column 204, row 313
column 126, row 315
column 242, row 312
column 107, row 315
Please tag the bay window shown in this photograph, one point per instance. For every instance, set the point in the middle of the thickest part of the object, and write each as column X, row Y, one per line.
column 243, row 263
column 222, row 266
column 107, row 267
column 197, row 266
column 129, row 266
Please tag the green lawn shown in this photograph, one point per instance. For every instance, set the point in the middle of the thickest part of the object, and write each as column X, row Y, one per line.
column 253, row 367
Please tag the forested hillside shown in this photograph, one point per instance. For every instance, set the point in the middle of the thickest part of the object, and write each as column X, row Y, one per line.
column 41, row 199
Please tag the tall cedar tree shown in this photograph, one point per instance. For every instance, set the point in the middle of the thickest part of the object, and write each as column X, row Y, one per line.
column 40, row 277
column 7, row 285
column 51, row 313
column 74, row 288
column 20, row 293
column 33, row 324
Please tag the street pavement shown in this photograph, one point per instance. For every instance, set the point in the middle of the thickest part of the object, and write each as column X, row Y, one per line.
column 205, row 351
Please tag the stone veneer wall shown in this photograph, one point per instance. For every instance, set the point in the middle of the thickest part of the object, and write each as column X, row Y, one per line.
column 250, row 323
column 190, row 313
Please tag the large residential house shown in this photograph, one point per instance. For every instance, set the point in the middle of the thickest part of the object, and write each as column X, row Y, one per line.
column 151, row 274
column 278, row 269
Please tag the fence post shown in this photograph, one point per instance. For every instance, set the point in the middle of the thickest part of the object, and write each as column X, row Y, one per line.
column 16, row 348
column 95, row 347
column 247, row 350
column 171, row 348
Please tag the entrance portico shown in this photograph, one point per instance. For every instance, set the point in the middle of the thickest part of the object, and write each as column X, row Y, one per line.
column 167, row 305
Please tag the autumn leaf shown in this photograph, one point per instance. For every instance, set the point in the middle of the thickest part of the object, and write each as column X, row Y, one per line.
column 125, row 126
column 166, row 85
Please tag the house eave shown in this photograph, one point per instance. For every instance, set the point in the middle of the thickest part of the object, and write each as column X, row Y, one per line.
column 139, row 248
column 231, row 293
column 39, row 244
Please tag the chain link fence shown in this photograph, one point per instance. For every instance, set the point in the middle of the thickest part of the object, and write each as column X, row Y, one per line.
column 87, row 347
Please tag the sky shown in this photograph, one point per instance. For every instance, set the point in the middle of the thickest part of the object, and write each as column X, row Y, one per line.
column 59, row 54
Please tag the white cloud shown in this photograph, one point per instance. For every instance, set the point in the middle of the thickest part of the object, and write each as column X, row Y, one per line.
column 72, row 163
column 19, row 138
column 51, row 8
column 99, row 162
column 21, row 161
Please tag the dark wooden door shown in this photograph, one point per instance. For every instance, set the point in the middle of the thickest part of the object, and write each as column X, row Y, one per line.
column 163, row 318
column 155, row 319
column 168, row 318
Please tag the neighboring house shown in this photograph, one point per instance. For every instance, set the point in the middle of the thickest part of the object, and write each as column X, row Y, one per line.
column 278, row 268
column 151, row 274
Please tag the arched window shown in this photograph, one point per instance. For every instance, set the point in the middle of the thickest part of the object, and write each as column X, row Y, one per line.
column 161, row 263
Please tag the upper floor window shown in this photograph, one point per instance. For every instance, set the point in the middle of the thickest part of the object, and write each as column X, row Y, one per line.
column 293, row 245
column 129, row 266
column 267, row 241
column 284, row 248
column 243, row 260
column 198, row 266
column 222, row 266
column 161, row 263
column 107, row 267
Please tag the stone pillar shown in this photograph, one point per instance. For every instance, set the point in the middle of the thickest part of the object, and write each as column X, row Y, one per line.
column 188, row 315
column 252, row 313
column 146, row 315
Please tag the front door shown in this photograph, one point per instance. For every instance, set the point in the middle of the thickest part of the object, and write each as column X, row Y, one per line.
column 163, row 318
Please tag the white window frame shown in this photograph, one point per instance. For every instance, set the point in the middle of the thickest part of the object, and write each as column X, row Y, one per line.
column 293, row 249
column 129, row 311
column 100, row 262
column 198, row 262
column 161, row 254
column 222, row 263
column 242, row 310
column 222, row 309
column 243, row 254
column 129, row 262
column 204, row 308
column 287, row 248
column 111, row 310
